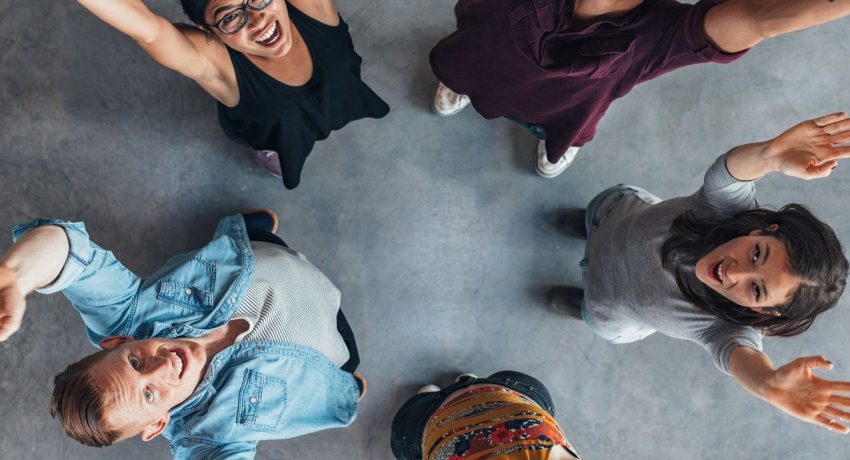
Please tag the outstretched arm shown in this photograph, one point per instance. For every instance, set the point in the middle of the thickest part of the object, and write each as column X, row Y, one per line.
column 794, row 388
column 809, row 150
column 32, row 262
column 180, row 48
column 736, row 25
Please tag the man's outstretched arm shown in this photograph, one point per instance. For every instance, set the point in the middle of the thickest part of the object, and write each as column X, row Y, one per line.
column 32, row 262
column 736, row 25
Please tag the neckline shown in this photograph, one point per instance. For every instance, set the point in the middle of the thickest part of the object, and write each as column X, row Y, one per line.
column 310, row 81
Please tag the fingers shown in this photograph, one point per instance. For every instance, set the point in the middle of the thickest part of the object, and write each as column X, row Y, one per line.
column 9, row 325
column 837, row 414
column 836, row 153
column 831, row 425
column 839, row 400
column 839, row 138
column 843, row 387
column 815, row 362
column 821, row 170
column 12, row 307
column 837, row 127
column 830, row 119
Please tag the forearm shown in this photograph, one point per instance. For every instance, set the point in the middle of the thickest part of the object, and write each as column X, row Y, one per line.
column 130, row 17
column 751, row 369
column 37, row 258
column 776, row 17
column 750, row 161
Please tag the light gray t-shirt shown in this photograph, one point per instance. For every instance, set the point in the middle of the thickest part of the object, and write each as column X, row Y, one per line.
column 289, row 300
column 628, row 293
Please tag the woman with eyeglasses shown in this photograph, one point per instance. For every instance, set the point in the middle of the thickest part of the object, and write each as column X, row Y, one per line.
column 284, row 73
column 716, row 269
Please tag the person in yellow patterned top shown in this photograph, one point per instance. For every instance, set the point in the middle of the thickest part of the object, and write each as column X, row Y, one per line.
column 507, row 416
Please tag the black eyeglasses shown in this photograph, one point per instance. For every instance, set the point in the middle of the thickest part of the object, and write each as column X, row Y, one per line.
column 235, row 20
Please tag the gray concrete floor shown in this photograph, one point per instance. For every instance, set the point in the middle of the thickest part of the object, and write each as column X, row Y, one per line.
column 437, row 231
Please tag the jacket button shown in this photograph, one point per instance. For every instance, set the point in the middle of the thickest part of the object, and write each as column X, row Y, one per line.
column 253, row 400
column 188, row 291
column 232, row 300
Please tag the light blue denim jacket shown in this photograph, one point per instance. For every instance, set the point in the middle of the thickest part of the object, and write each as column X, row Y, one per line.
column 252, row 391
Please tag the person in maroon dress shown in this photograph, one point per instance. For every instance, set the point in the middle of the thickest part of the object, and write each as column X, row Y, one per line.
column 556, row 65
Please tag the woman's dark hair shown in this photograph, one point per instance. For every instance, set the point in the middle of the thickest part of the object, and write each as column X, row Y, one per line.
column 814, row 252
column 195, row 10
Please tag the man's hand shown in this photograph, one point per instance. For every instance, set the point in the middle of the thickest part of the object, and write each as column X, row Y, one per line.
column 12, row 304
column 795, row 389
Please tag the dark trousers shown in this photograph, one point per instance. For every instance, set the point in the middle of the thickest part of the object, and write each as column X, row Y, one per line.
column 257, row 233
column 410, row 420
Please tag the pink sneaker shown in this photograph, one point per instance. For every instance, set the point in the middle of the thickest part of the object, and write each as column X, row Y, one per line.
column 269, row 161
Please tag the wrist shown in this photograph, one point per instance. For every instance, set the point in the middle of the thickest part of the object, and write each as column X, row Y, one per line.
column 770, row 155
column 9, row 276
column 767, row 390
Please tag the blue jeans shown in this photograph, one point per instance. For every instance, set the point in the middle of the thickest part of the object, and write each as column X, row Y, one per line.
column 596, row 211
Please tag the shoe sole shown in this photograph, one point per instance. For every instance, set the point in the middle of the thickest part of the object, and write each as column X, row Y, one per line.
column 362, row 380
column 548, row 175
column 275, row 219
column 446, row 115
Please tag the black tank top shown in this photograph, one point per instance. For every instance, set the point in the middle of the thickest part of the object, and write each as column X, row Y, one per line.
column 290, row 119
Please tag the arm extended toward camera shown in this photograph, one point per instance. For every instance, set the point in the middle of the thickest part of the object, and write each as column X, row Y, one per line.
column 32, row 262
column 809, row 150
column 736, row 25
column 182, row 48
column 794, row 388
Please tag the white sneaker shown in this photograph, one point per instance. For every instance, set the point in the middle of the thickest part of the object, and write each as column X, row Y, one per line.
column 550, row 170
column 447, row 102
column 430, row 388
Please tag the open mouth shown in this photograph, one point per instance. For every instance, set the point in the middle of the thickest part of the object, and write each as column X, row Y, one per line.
column 271, row 36
column 716, row 272
column 180, row 362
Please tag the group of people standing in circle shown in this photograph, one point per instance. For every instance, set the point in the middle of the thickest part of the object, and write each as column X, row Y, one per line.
column 244, row 340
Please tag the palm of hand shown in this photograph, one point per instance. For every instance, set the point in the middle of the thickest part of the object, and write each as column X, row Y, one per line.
column 810, row 149
column 798, row 391
column 806, row 394
column 12, row 306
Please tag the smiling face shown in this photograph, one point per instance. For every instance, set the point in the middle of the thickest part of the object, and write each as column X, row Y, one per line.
column 268, row 32
column 142, row 380
column 752, row 271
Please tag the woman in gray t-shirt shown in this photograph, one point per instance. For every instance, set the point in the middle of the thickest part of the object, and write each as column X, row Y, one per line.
column 715, row 269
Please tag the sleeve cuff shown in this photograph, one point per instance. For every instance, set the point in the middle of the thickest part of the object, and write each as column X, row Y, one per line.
column 79, row 254
column 727, row 349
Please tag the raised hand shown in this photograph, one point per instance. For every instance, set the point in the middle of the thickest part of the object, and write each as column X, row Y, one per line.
column 12, row 304
column 810, row 149
column 795, row 389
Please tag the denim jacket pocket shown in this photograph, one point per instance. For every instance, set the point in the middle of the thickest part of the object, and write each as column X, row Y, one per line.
column 191, row 286
column 185, row 295
column 262, row 401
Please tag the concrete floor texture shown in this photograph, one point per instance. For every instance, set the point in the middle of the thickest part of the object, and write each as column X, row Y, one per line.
column 437, row 231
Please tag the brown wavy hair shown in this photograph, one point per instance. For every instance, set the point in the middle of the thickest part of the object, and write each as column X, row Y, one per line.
column 79, row 404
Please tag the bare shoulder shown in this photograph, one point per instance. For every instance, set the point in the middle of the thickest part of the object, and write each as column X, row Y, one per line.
column 323, row 11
